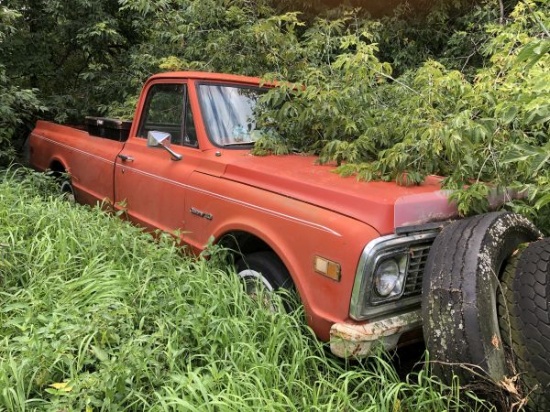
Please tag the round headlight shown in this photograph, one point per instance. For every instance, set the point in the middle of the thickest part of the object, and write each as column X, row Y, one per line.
column 386, row 277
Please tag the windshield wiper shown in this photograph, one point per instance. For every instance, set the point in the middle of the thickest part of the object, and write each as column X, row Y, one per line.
column 239, row 144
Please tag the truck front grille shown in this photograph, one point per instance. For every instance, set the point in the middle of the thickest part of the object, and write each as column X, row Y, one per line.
column 418, row 254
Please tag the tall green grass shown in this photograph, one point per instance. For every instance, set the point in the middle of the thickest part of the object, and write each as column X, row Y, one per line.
column 94, row 315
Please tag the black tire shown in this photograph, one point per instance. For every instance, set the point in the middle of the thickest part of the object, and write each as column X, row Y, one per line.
column 63, row 181
column 66, row 189
column 267, row 271
column 509, row 331
column 507, row 316
column 531, row 321
column 459, row 294
column 26, row 152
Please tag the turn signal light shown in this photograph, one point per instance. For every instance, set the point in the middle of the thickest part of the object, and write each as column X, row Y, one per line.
column 327, row 268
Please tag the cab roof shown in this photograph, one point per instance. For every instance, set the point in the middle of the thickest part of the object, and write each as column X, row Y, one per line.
column 195, row 75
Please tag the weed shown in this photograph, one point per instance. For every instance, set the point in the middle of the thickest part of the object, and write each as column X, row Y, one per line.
column 97, row 316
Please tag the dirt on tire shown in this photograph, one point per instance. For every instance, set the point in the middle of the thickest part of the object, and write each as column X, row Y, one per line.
column 459, row 299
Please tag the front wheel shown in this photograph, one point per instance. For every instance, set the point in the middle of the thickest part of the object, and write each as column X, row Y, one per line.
column 263, row 274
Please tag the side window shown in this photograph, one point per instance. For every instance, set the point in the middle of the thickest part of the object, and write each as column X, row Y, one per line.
column 164, row 111
column 167, row 109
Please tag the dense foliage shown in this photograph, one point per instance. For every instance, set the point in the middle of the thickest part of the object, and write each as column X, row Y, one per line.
column 66, row 51
column 460, row 90
column 96, row 316
column 485, row 127
column 17, row 105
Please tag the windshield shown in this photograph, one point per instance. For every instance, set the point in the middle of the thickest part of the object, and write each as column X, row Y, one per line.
column 228, row 113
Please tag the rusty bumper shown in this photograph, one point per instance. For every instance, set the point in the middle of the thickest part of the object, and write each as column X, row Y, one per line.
column 358, row 340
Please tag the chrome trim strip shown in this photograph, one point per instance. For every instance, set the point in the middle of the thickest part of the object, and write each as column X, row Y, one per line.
column 74, row 149
column 239, row 202
column 206, row 192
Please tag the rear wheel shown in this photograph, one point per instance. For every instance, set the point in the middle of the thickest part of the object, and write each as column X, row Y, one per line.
column 66, row 188
column 63, row 181
column 459, row 299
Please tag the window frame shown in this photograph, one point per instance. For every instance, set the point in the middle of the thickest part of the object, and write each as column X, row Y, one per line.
column 183, row 121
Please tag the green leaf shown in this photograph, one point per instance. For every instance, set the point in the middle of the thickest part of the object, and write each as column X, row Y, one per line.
column 509, row 114
column 100, row 353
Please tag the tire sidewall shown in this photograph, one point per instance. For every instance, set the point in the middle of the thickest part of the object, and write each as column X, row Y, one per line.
column 499, row 244
column 67, row 190
column 266, row 267
column 531, row 311
column 459, row 299
column 272, row 275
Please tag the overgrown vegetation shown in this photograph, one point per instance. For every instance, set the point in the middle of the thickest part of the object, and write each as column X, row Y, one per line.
column 97, row 316
column 461, row 91
column 485, row 127
column 17, row 105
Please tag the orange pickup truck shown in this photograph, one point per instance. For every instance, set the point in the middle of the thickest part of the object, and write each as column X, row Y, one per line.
column 369, row 260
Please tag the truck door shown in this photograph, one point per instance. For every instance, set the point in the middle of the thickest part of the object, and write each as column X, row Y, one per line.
column 150, row 184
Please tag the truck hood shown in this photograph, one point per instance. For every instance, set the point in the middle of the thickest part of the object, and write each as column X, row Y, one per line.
column 382, row 205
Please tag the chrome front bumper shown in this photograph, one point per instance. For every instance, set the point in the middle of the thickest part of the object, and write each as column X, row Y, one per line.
column 354, row 340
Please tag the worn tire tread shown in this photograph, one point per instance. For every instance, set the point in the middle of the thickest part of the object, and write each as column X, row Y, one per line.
column 531, row 300
column 461, row 272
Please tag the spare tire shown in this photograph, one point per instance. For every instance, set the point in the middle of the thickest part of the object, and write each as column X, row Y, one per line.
column 531, row 327
column 459, row 303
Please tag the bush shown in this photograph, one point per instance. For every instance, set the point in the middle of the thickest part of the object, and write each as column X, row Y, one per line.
column 483, row 132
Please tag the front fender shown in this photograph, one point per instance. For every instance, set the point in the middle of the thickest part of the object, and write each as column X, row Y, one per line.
column 296, row 231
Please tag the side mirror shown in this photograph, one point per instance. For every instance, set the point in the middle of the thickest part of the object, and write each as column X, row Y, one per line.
column 162, row 139
column 155, row 138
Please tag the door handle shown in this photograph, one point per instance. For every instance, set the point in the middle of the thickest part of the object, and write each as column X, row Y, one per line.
column 126, row 158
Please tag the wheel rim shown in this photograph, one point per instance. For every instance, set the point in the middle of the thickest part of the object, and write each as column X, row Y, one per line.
column 256, row 286
column 67, row 191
